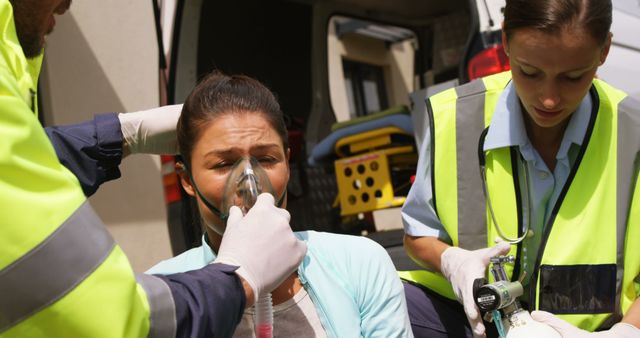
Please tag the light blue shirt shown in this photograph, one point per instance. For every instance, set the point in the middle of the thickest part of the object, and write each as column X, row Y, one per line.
column 350, row 279
column 506, row 129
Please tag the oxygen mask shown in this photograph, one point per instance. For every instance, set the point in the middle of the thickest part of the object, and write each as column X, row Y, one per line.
column 245, row 182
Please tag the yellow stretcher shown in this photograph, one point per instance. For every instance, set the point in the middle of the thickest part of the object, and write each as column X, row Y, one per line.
column 365, row 178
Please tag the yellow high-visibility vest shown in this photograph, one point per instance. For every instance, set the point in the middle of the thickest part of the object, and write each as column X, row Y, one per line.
column 61, row 273
column 587, row 269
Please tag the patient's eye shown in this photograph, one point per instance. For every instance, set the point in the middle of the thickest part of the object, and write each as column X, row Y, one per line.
column 221, row 166
column 267, row 159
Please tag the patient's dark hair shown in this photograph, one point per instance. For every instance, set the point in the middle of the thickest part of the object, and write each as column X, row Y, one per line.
column 550, row 16
column 219, row 95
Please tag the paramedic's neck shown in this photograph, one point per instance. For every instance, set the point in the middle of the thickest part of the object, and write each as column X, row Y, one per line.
column 545, row 140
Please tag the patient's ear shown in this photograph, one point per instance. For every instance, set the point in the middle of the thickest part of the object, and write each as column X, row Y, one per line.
column 185, row 180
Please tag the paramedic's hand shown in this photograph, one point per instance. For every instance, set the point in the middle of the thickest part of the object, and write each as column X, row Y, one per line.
column 620, row 330
column 262, row 245
column 461, row 267
column 151, row 131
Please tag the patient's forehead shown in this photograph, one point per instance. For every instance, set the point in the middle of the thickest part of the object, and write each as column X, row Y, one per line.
column 240, row 131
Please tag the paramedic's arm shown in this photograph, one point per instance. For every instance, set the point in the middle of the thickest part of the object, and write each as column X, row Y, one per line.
column 272, row 255
column 93, row 150
column 209, row 301
column 425, row 237
column 426, row 251
column 49, row 213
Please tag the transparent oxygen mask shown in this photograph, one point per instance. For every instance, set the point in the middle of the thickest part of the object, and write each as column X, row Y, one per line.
column 246, row 181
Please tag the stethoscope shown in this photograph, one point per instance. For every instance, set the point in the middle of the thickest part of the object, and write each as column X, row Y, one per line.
column 485, row 190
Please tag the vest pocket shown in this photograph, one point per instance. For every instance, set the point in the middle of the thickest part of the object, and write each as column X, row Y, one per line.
column 578, row 289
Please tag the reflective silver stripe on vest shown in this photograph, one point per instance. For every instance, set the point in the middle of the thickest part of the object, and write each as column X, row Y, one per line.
column 53, row 268
column 628, row 145
column 472, row 230
column 163, row 311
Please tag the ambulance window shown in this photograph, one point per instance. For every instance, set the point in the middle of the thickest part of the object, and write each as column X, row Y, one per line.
column 370, row 66
column 365, row 87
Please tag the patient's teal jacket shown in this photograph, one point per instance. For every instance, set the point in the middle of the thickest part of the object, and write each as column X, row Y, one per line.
column 351, row 281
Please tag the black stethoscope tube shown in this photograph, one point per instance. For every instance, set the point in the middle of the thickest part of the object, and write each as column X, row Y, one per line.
column 485, row 192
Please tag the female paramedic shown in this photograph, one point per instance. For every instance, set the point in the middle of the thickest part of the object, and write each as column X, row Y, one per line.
column 61, row 274
column 557, row 152
column 346, row 286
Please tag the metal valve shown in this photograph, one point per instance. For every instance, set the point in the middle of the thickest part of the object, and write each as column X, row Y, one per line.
column 502, row 294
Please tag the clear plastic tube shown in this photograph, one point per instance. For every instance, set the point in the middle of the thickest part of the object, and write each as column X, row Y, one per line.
column 263, row 318
column 245, row 182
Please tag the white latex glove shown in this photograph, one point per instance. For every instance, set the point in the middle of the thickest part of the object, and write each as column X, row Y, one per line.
column 262, row 244
column 151, row 131
column 461, row 267
column 620, row 330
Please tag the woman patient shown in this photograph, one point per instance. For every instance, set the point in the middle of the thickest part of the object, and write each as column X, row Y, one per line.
column 346, row 286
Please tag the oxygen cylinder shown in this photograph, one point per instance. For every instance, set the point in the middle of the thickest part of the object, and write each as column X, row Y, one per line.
column 521, row 325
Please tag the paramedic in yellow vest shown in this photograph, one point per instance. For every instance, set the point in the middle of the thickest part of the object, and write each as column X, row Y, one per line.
column 61, row 274
column 558, row 151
